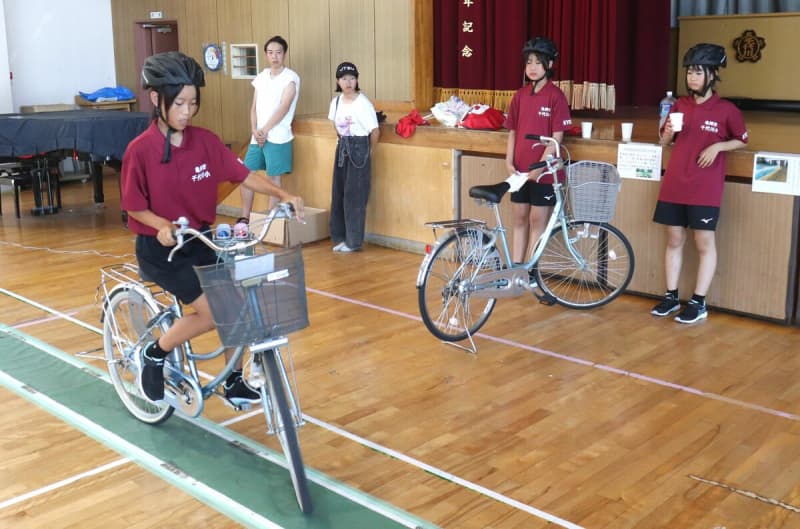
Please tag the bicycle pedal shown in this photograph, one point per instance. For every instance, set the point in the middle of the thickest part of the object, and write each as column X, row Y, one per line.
column 545, row 299
column 241, row 407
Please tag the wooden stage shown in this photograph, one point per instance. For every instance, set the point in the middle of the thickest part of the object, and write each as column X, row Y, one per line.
column 605, row 419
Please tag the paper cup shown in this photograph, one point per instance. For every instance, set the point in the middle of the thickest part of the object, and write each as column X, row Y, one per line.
column 627, row 131
column 676, row 118
column 586, row 129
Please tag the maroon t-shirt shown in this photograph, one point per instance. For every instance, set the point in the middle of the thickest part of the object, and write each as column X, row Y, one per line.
column 710, row 122
column 544, row 112
column 186, row 185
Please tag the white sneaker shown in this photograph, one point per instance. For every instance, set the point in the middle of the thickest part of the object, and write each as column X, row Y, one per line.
column 338, row 247
column 345, row 249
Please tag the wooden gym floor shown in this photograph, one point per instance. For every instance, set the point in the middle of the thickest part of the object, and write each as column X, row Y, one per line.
column 607, row 419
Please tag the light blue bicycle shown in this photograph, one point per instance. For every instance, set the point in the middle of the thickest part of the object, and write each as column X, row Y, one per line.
column 255, row 300
column 580, row 260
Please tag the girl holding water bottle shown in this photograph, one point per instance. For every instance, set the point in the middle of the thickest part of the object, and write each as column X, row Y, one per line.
column 703, row 127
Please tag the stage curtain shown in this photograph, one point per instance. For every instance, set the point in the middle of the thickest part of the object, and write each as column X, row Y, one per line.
column 605, row 49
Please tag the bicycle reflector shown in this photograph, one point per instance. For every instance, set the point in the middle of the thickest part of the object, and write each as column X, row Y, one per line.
column 428, row 249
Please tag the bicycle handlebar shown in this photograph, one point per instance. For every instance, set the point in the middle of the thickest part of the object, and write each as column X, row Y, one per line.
column 284, row 210
column 552, row 163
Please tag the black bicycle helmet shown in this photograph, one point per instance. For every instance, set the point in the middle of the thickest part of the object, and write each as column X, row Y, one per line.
column 541, row 46
column 171, row 68
column 706, row 55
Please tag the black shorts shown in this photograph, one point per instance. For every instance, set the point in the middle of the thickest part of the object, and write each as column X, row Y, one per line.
column 535, row 194
column 695, row 217
column 176, row 277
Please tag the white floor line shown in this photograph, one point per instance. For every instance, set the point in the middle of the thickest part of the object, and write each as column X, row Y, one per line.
column 568, row 358
column 446, row 475
column 381, row 507
column 586, row 363
column 222, row 503
column 45, row 319
column 63, row 483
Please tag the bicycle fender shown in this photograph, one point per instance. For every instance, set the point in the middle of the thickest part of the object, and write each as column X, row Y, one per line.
column 427, row 259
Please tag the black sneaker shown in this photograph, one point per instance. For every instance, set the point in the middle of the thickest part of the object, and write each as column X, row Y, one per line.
column 151, row 379
column 667, row 306
column 238, row 392
column 692, row 312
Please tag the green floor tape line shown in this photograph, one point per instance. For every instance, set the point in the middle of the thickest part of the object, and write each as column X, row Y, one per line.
column 226, row 475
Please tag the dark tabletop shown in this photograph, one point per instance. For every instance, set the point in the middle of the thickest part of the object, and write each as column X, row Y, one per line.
column 101, row 133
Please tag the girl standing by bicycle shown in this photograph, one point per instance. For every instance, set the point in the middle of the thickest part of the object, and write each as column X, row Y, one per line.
column 691, row 191
column 539, row 107
column 172, row 170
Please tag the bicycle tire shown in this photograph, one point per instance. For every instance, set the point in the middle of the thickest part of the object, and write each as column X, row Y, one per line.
column 608, row 269
column 445, row 306
column 286, row 431
column 123, row 319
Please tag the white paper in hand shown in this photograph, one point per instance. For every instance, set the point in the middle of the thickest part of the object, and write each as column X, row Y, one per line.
column 516, row 181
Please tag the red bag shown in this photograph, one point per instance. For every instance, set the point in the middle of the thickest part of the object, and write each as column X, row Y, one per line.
column 408, row 124
column 483, row 117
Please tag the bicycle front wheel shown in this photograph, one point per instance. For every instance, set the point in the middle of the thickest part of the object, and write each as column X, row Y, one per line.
column 445, row 303
column 125, row 319
column 601, row 272
column 286, row 431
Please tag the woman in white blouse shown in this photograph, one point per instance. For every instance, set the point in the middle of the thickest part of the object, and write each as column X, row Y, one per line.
column 356, row 125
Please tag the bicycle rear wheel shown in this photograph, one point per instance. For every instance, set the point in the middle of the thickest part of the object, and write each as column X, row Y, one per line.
column 445, row 303
column 605, row 272
column 125, row 319
column 286, row 431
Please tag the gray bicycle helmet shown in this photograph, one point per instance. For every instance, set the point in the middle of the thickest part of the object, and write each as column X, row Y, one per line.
column 171, row 68
column 706, row 55
column 540, row 45
column 167, row 73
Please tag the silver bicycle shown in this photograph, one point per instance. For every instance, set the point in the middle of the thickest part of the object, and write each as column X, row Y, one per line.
column 256, row 300
column 580, row 260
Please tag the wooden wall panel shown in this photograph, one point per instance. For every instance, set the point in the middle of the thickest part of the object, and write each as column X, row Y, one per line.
column 375, row 34
column 406, row 195
column 270, row 18
column 481, row 170
column 771, row 77
column 234, row 26
column 309, row 45
column 352, row 38
column 752, row 273
column 195, row 32
column 421, row 56
column 122, row 16
column 393, row 31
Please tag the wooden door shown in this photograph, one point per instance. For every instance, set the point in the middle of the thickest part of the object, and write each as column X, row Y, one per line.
column 151, row 38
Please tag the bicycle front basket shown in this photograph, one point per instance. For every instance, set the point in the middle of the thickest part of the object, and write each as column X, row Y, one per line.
column 593, row 189
column 256, row 298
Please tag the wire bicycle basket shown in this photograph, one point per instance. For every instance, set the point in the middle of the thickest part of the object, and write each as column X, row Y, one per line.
column 592, row 191
column 256, row 298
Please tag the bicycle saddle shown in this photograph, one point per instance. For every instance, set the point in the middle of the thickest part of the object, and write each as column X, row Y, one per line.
column 493, row 193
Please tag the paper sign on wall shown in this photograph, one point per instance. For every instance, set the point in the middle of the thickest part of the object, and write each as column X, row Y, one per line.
column 639, row 160
column 776, row 173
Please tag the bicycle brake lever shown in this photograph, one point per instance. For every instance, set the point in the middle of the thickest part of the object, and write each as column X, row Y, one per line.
column 177, row 234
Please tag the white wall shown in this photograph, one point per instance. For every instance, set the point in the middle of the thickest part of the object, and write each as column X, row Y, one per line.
column 6, row 105
column 56, row 48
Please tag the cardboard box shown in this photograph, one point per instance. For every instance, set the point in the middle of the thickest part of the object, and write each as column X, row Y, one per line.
column 315, row 228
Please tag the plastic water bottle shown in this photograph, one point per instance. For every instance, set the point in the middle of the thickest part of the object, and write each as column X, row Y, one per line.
column 240, row 230
column 664, row 108
column 223, row 231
